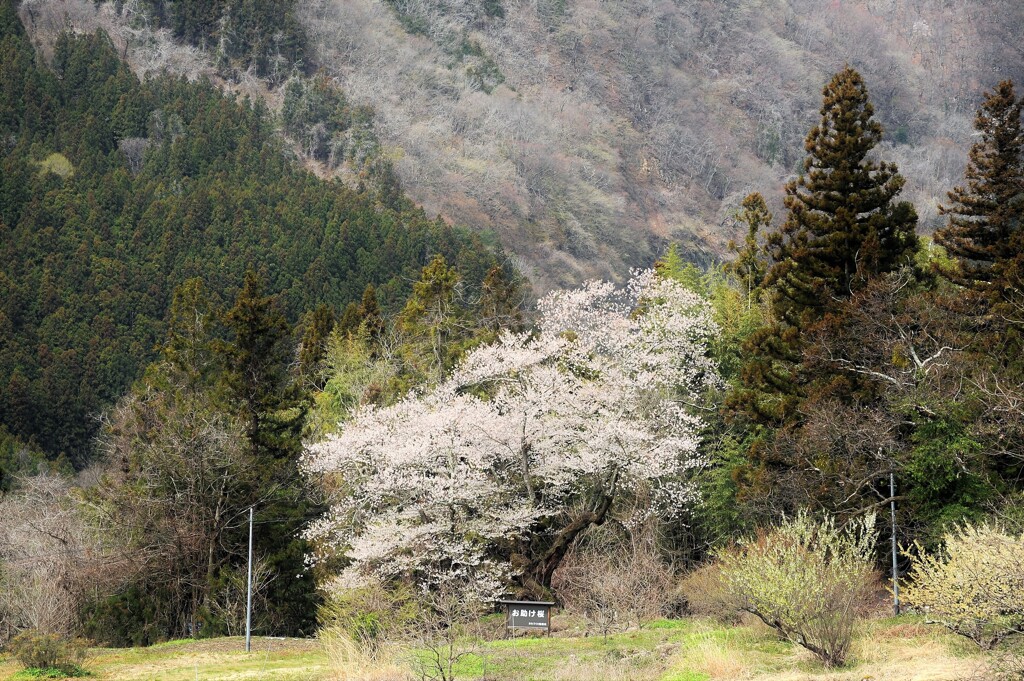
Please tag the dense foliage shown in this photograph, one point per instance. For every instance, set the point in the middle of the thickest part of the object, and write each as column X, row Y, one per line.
column 48, row 653
column 985, row 214
column 973, row 586
column 843, row 227
column 214, row 428
column 856, row 371
column 806, row 579
column 113, row 192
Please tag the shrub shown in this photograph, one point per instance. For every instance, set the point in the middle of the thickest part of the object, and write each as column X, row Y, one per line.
column 443, row 638
column 36, row 650
column 806, row 579
column 707, row 594
column 615, row 582
column 974, row 586
column 371, row 615
column 1007, row 664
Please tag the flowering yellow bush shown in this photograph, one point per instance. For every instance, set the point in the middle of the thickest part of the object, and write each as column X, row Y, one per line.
column 975, row 586
column 806, row 579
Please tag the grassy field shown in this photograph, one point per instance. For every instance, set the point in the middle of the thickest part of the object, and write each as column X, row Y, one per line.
column 894, row 649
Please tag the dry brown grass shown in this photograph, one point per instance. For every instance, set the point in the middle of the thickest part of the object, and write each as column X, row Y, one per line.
column 575, row 670
column 722, row 662
column 347, row 662
column 898, row 652
column 706, row 594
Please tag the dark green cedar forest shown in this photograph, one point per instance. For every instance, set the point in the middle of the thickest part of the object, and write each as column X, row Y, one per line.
column 164, row 224
column 114, row 192
column 165, row 221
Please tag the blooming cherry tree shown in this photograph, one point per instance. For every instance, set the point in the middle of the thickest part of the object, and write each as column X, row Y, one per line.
column 494, row 473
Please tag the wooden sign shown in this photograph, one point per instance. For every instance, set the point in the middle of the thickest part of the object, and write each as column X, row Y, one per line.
column 528, row 615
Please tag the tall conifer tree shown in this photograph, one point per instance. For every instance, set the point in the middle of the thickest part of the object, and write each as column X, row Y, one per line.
column 313, row 350
column 843, row 227
column 751, row 262
column 370, row 314
column 430, row 319
column 260, row 388
column 257, row 377
column 986, row 214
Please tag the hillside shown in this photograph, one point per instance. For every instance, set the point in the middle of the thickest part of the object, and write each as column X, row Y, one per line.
column 113, row 192
column 265, row 366
column 588, row 135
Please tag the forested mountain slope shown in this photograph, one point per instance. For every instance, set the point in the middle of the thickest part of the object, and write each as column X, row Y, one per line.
column 584, row 135
column 588, row 134
column 113, row 192
column 620, row 125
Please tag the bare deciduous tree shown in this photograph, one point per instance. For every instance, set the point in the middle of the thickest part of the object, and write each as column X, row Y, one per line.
column 440, row 636
column 134, row 149
column 712, row 96
column 51, row 560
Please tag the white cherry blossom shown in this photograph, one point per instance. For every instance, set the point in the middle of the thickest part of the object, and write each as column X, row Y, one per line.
column 486, row 467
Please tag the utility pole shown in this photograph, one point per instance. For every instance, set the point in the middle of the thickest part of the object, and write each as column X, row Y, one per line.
column 895, row 573
column 249, row 586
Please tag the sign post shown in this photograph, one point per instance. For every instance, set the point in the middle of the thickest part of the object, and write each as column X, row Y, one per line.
column 527, row 615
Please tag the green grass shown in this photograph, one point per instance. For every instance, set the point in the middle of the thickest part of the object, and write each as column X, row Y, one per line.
column 50, row 673
column 894, row 649
column 685, row 676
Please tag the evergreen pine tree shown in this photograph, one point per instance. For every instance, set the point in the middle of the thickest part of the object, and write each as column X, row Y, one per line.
column 256, row 378
column 272, row 407
column 751, row 263
column 985, row 215
column 843, row 228
column 320, row 324
column 369, row 313
column 844, row 225
column 191, row 326
column 349, row 322
column 430, row 320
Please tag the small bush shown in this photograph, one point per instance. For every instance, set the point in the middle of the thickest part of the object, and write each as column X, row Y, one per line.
column 370, row 616
column 806, row 579
column 707, row 594
column 442, row 634
column 48, row 653
column 974, row 586
column 615, row 583
column 1007, row 664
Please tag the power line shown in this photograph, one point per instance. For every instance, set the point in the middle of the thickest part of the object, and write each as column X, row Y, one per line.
column 98, row 556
